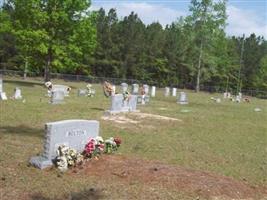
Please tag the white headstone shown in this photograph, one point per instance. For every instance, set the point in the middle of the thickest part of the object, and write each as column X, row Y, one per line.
column 3, row 96
column 118, row 104
column 167, row 92
column 182, row 98
column 153, row 91
column 57, row 97
column 124, row 87
column 114, row 89
column 82, row 92
column 17, row 94
column 135, row 89
column 146, row 89
column 1, row 83
column 225, row 95
column 174, row 90
column 73, row 133
column 63, row 88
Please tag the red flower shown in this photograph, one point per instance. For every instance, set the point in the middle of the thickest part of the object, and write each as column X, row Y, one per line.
column 90, row 147
column 117, row 141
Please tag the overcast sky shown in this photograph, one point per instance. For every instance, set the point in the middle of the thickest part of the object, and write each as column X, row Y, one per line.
column 244, row 16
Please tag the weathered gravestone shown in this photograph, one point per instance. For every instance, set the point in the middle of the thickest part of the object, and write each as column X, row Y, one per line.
column 118, row 104
column 182, row 98
column 124, row 87
column 82, row 92
column 167, row 92
column 73, row 133
column 135, row 89
column 17, row 94
column 2, row 94
column 57, row 97
column 174, row 91
column 153, row 91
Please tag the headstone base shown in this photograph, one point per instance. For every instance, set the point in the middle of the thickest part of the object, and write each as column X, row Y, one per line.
column 41, row 162
column 111, row 112
column 182, row 103
column 3, row 96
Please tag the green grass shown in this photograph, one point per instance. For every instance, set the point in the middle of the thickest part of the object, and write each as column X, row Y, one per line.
column 228, row 139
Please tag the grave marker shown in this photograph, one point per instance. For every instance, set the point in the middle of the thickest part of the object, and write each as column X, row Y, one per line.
column 17, row 94
column 174, row 90
column 153, row 91
column 135, row 89
column 73, row 133
column 167, row 92
column 118, row 104
column 182, row 98
column 2, row 94
column 124, row 87
column 57, row 97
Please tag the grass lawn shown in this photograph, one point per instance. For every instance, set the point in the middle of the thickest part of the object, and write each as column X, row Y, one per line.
column 228, row 139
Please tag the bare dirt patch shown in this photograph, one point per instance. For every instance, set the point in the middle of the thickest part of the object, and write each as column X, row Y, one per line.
column 203, row 184
column 159, row 117
column 119, row 119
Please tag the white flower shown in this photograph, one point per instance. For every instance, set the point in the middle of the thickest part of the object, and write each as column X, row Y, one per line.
column 62, row 163
column 89, row 86
column 99, row 139
column 48, row 84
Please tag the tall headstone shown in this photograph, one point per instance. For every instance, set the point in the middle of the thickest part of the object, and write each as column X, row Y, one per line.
column 182, row 98
column 17, row 94
column 135, row 88
column 174, row 91
column 1, row 83
column 114, row 89
column 153, row 91
column 146, row 89
column 124, row 87
column 73, row 133
column 57, row 97
column 2, row 93
column 167, row 92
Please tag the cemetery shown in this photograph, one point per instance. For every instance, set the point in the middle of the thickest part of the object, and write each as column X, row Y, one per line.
column 185, row 138
column 133, row 100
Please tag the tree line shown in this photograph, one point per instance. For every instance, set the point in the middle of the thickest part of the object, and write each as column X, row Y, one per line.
column 43, row 36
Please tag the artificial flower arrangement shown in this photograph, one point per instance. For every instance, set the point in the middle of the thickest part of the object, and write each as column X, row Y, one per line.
column 90, row 91
column 126, row 96
column 68, row 157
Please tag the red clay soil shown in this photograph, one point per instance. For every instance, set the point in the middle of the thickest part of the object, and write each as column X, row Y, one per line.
column 204, row 184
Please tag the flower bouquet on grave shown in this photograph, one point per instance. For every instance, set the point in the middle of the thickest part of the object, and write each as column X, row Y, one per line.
column 94, row 148
column 107, row 89
column 126, row 96
column 112, row 145
column 67, row 157
column 90, row 91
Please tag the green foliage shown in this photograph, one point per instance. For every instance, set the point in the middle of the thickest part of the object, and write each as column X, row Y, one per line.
column 62, row 36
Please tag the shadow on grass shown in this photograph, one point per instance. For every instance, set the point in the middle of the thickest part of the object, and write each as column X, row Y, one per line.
column 87, row 194
column 21, row 130
column 24, row 83
column 99, row 109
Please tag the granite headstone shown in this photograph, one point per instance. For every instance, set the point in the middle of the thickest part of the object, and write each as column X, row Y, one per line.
column 73, row 133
